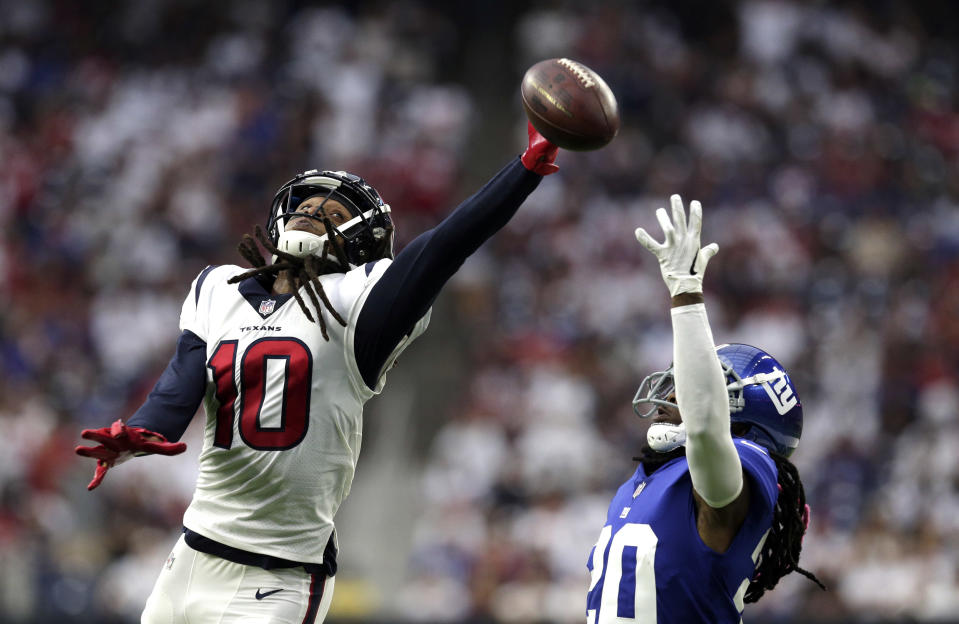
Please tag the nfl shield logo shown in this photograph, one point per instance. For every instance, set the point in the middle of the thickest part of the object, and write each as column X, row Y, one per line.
column 266, row 306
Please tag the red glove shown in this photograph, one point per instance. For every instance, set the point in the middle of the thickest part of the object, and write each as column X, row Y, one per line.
column 540, row 154
column 119, row 443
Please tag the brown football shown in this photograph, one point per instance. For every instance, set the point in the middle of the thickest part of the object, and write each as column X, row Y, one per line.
column 570, row 105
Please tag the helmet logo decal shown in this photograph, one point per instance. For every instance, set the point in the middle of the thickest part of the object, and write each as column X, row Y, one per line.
column 780, row 393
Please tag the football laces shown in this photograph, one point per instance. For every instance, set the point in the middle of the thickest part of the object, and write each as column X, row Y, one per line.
column 579, row 71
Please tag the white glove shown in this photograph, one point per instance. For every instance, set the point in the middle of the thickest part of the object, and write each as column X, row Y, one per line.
column 681, row 259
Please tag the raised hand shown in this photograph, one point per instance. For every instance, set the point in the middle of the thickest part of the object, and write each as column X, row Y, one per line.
column 540, row 154
column 682, row 260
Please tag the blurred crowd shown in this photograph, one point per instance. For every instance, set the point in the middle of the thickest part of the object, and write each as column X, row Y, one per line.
column 139, row 142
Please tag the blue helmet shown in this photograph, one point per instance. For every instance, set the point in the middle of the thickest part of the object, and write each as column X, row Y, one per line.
column 761, row 394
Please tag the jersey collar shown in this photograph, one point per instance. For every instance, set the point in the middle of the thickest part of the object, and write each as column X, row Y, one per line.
column 257, row 295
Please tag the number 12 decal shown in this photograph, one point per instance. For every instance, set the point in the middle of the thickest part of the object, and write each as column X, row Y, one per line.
column 294, row 406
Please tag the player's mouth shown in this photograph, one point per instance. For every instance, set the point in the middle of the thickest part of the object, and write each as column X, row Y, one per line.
column 663, row 416
column 305, row 224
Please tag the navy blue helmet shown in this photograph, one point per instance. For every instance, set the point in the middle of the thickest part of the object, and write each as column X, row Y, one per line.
column 366, row 237
column 761, row 394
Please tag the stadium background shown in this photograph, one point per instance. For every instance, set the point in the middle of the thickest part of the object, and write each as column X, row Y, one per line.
column 139, row 140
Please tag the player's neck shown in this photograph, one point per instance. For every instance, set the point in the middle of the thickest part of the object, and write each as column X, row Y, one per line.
column 283, row 284
column 653, row 461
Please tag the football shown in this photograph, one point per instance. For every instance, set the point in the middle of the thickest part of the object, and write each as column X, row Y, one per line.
column 570, row 105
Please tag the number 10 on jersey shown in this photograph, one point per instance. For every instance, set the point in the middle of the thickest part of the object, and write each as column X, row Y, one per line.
column 293, row 407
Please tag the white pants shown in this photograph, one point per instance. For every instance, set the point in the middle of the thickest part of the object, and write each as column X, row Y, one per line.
column 197, row 588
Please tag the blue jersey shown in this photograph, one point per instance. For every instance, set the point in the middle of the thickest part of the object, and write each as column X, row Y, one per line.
column 650, row 566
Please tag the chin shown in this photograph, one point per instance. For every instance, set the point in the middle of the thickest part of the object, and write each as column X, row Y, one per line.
column 304, row 228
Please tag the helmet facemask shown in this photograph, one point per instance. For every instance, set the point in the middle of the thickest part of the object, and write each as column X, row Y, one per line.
column 654, row 391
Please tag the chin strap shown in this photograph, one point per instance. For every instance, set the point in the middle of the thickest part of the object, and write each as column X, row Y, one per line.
column 300, row 244
column 303, row 244
column 664, row 437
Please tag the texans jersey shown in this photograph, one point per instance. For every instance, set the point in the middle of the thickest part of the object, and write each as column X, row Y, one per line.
column 650, row 565
column 283, row 408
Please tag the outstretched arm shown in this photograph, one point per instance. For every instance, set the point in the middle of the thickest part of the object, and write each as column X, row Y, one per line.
column 704, row 405
column 163, row 416
column 414, row 279
column 714, row 466
column 178, row 392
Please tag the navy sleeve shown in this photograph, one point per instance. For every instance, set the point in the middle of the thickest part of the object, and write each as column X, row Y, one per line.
column 414, row 279
column 177, row 394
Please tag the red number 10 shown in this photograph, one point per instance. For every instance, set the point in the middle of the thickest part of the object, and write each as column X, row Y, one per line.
column 295, row 405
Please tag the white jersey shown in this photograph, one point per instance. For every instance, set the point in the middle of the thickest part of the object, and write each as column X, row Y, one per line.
column 284, row 411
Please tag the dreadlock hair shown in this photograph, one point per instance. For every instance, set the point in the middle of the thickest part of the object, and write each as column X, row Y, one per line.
column 780, row 552
column 304, row 271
